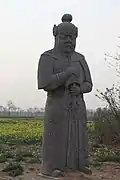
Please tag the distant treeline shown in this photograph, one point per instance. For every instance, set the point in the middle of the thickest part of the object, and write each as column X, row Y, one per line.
column 31, row 115
column 20, row 114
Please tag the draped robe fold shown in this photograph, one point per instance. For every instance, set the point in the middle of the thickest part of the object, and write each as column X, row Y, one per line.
column 65, row 141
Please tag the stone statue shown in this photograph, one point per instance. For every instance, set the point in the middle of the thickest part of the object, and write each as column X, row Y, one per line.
column 65, row 75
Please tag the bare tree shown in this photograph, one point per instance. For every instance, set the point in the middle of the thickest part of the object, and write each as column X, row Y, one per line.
column 10, row 106
column 112, row 97
column 114, row 60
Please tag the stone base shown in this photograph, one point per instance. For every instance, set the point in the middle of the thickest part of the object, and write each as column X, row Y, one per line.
column 85, row 170
column 48, row 177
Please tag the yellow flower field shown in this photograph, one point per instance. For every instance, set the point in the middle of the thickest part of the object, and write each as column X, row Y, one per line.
column 21, row 129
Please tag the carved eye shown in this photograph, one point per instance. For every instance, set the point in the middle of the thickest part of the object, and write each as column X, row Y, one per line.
column 65, row 37
column 73, row 37
column 62, row 36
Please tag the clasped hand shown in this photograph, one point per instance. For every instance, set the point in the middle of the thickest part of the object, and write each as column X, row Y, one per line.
column 74, row 89
column 72, row 70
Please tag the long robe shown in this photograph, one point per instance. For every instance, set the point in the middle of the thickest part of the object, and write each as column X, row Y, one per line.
column 65, row 134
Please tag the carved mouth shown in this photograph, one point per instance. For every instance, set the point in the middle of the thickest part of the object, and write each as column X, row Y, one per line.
column 68, row 45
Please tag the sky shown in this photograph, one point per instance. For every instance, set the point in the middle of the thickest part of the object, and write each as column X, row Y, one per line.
column 26, row 32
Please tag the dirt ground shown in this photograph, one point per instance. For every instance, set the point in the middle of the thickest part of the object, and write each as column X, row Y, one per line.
column 108, row 171
column 31, row 170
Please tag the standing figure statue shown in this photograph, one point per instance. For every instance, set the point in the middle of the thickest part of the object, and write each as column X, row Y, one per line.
column 65, row 75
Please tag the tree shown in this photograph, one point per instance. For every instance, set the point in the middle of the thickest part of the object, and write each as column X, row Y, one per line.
column 112, row 97
column 114, row 60
column 10, row 106
column 1, row 110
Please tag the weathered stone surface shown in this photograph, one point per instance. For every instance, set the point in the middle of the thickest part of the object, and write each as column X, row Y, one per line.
column 65, row 75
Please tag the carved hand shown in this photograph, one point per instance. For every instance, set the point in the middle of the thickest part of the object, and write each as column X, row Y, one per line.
column 72, row 70
column 75, row 89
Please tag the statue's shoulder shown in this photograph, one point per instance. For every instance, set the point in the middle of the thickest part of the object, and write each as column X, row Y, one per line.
column 46, row 58
column 79, row 56
column 50, row 54
column 47, row 53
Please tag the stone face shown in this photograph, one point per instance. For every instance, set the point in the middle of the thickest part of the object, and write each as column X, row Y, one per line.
column 65, row 75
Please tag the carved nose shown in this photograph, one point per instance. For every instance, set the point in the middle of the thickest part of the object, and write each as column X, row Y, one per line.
column 69, row 39
column 74, row 85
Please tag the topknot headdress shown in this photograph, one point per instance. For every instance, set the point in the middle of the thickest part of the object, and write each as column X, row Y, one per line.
column 66, row 26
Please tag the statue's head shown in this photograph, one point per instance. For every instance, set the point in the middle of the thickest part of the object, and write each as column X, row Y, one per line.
column 65, row 34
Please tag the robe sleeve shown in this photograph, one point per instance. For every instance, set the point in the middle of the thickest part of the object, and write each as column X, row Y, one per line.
column 87, row 85
column 46, row 79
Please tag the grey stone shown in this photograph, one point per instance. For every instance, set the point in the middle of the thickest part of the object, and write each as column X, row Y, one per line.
column 57, row 173
column 64, row 74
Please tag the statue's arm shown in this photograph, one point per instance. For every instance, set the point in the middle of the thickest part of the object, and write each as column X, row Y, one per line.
column 87, row 85
column 46, row 79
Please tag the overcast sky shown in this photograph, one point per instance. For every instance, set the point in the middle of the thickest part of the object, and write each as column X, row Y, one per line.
column 26, row 32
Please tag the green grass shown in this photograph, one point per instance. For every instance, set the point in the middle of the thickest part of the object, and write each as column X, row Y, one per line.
column 20, row 143
column 14, row 169
column 21, row 139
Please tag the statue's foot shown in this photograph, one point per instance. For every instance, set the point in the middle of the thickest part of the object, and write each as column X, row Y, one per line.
column 86, row 170
column 57, row 173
